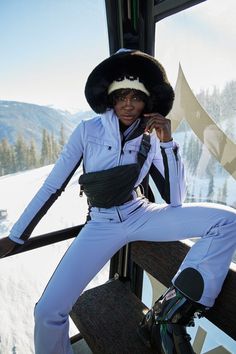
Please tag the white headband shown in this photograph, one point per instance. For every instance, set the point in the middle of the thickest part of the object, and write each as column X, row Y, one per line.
column 128, row 83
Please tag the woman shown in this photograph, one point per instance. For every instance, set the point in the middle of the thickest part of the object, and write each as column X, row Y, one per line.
column 129, row 138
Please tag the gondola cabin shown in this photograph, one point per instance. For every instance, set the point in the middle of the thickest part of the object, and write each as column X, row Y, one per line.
column 178, row 32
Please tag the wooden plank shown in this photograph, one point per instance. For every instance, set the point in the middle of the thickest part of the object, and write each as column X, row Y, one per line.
column 107, row 317
column 162, row 260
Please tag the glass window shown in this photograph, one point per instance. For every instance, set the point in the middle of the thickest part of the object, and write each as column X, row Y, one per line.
column 198, row 50
column 48, row 48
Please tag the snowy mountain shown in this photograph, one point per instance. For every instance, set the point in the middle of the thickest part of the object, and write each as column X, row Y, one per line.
column 29, row 120
column 23, row 277
column 82, row 115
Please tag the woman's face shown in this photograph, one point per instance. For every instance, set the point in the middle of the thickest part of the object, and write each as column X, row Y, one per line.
column 129, row 107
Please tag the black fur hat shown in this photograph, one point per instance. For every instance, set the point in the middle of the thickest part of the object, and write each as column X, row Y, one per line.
column 133, row 63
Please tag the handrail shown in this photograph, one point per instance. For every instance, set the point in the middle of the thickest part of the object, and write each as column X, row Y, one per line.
column 47, row 239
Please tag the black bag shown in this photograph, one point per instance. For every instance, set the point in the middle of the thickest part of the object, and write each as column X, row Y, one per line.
column 112, row 187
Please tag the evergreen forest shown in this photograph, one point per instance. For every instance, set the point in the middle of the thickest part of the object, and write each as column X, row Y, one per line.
column 23, row 155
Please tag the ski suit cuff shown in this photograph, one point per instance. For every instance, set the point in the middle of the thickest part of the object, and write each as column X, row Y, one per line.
column 169, row 144
column 16, row 240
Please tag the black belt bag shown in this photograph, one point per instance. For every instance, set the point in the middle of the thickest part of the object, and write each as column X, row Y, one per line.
column 114, row 187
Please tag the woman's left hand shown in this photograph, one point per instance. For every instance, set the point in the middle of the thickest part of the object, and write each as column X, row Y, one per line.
column 161, row 125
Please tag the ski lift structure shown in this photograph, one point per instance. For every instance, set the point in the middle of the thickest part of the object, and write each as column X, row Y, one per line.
column 107, row 316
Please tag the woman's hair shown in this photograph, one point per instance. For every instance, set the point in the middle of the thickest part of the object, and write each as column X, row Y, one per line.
column 115, row 95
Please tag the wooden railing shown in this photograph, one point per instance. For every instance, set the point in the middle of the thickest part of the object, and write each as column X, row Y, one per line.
column 162, row 260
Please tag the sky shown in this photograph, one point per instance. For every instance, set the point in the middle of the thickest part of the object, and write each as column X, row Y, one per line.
column 202, row 40
column 49, row 47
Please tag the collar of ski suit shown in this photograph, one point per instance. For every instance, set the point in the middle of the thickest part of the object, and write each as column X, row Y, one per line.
column 110, row 121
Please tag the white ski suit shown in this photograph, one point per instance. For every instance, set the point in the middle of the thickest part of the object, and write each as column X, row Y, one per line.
column 99, row 143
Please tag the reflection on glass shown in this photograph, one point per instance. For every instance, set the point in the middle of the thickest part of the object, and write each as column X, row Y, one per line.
column 221, row 106
column 207, row 180
column 202, row 40
column 206, row 132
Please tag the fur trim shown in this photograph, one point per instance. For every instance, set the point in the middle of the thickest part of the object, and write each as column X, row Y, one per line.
column 132, row 63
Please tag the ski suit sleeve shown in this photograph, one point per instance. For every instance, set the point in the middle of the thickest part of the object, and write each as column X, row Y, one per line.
column 167, row 172
column 67, row 163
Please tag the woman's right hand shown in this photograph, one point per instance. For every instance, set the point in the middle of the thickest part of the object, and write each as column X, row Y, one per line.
column 6, row 246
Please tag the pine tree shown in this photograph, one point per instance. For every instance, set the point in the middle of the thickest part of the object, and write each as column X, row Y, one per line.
column 219, row 196
column 225, row 192
column 5, row 157
column 62, row 138
column 55, row 148
column 193, row 152
column 13, row 159
column 44, row 149
column 185, row 144
column 21, row 154
column 211, row 187
column 32, row 156
column 215, row 105
column 229, row 100
column 200, row 196
column 49, row 145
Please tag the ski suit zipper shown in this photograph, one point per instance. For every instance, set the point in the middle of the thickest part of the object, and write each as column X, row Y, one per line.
column 121, row 150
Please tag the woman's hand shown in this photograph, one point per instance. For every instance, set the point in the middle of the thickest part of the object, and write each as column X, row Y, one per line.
column 6, row 246
column 161, row 125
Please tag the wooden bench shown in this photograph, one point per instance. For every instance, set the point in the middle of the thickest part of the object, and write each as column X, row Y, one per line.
column 107, row 316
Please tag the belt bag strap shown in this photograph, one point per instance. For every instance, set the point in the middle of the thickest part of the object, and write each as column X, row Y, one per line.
column 144, row 149
column 114, row 186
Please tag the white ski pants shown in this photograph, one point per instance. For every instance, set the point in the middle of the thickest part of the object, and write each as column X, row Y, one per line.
column 108, row 231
